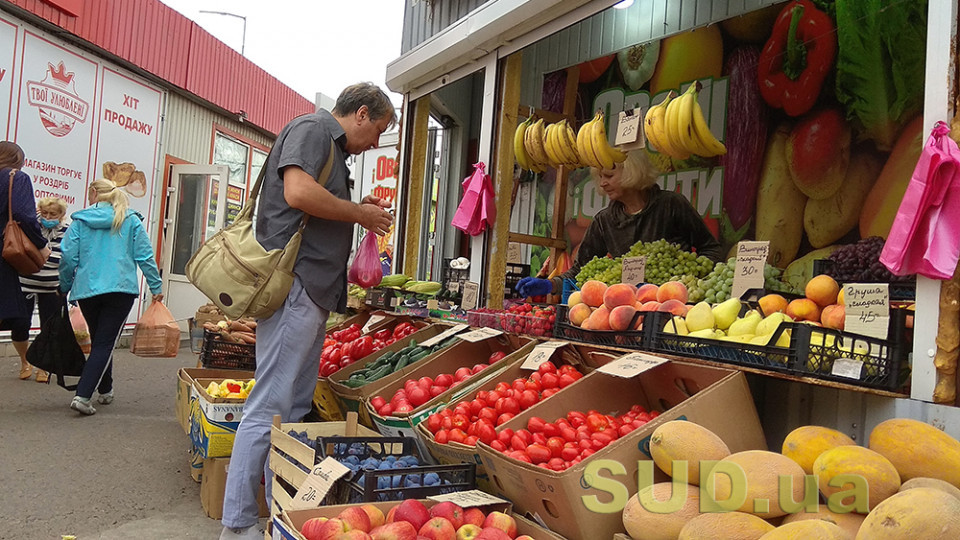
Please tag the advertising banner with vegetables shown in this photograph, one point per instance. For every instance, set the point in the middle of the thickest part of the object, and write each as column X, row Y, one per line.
column 818, row 105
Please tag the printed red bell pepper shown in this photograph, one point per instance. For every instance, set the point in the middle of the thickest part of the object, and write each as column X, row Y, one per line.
column 797, row 57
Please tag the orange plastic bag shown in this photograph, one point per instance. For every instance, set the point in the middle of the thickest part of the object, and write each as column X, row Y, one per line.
column 157, row 334
column 80, row 330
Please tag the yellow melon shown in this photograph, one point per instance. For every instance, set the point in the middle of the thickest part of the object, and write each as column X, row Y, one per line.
column 643, row 523
column 812, row 529
column 680, row 440
column 725, row 526
column 763, row 470
column 917, row 449
column 915, row 514
column 934, row 483
column 881, row 476
column 849, row 522
column 805, row 444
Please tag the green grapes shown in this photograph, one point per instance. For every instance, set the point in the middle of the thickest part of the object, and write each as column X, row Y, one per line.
column 666, row 261
column 600, row 269
column 716, row 286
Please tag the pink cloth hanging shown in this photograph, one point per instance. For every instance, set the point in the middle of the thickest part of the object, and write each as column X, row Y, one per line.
column 925, row 236
column 477, row 209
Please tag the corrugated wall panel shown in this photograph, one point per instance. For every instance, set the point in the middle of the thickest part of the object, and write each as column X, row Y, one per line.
column 188, row 128
column 421, row 23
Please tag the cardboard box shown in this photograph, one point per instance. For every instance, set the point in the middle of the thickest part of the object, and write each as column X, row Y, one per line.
column 213, row 421
column 351, row 399
column 718, row 399
column 196, row 464
column 453, row 453
column 462, row 354
column 213, row 485
column 185, row 379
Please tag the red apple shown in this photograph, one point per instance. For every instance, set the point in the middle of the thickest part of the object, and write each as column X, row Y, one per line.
column 397, row 530
column 331, row 528
column 375, row 515
column 499, row 520
column 524, row 537
column 311, row 528
column 438, row 528
column 390, row 514
column 468, row 531
column 473, row 516
column 356, row 518
column 492, row 533
column 355, row 534
column 449, row 511
column 413, row 512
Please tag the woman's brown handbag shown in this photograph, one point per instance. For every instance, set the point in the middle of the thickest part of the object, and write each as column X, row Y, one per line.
column 18, row 250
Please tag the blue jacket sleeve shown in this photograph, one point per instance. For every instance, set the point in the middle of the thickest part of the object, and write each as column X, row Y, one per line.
column 69, row 255
column 25, row 209
column 143, row 255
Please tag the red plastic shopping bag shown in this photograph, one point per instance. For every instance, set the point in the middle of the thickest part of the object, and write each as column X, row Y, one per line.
column 80, row 330
column 923, row 238
column 157, row 334
column 477, row 209
column 366, row 270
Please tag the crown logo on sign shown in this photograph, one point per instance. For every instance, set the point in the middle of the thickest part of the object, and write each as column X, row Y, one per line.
column 60, row 73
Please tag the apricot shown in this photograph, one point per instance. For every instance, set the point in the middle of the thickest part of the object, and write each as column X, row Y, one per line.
column 578, row 314
column 833, row 316
column 823, row 290
column 574, row 298
column 652, row 305
column 620, row 294
column 598, row 320
column 676, row 307
column 672, row 290
column 803, row 309
column 621, row 317
column 772, row 303
column 647, row 293
column 592, row 293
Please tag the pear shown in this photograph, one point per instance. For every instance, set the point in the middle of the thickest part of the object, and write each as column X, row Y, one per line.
column 700, row 317
column 739, row 338
column 676, row 325
column 771, row 322
column 746, row 325
column 213, row 389
column 759, row 340
column 703, row 333
column 726, row 312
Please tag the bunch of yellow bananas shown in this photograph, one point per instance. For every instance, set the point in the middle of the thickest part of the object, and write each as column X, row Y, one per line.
column 560, row 145
column 594, row 149
column 530, row 154
column 676, row 127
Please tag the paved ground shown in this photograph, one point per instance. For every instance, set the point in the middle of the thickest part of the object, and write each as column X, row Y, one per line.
column 120, row 474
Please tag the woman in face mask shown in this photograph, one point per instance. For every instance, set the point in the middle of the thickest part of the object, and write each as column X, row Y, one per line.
column 45, row 284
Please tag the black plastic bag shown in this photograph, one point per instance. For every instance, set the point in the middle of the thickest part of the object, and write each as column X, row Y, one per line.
column 56, row 349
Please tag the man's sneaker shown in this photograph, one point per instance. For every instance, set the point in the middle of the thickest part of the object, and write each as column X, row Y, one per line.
column 105, row 399
column 82, row 406
column 253, row 532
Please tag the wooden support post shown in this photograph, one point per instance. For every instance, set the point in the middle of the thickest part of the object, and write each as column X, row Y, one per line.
column 418, row 170
column 563, row 173
column 503, row 179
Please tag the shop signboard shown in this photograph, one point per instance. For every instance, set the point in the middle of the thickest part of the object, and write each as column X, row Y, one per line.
column 8, row 64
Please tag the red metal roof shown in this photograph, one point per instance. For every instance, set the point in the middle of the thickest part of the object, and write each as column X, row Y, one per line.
column 159, row 40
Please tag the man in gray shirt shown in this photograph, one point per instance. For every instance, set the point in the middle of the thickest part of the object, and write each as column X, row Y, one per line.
column 290, row 341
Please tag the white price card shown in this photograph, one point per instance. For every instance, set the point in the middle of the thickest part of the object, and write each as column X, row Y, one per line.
column 748, row 272
column 395, row 301
column 480, row 334
column 371, row 322
column 471, row 294
column 514, row 255
column 541, row 353
column 454, row 286
column 847, row 367
column 318, row 484
column 629, row 133
column 455, row 329
column 867, row 309
column 631, row 365
column 634, row 270
column 468, row 499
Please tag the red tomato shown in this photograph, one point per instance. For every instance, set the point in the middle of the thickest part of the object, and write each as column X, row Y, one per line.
column 378, row 401
column 556, row 445
column 445, row 380
column 517, row 443
column 551, row 430
column 527, row 399
column 549, row 392
column 471, row 440
column 501, row 387
column 547, row 367
column 568, row 434
column 603, row 438
column 425, row 382
column 462, row 374
column 403, row 407
column 487, row 433
column 505, row 436
column 597, row 422
column 626, row 428
column 498, row 446
column 507, row 405
column 531, row 384
column 329, row 369
column 487, row 413
column 569, row 454
column 493, row 397
column 549, row 380
column 538, row 438
column 538, row 453
column 496, row 357
column 436, row 390
column 556, row 464
column 418, row 396
column 565, row 380
column 519, row 385
column 503, row 418
column 434, row 422
column 386, row 410
column 535, row 424
column 447, row 423
column 442, row 436
column 457, row 435
column 477, row 368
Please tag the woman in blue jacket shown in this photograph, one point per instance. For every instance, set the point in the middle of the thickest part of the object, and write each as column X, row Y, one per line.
column 100, row 254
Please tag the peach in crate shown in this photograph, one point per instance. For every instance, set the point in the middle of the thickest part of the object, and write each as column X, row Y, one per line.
column 592, row 293
column 672, row 290
column 620, row 294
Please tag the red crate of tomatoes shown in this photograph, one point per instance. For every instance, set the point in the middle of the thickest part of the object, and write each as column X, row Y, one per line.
column 344, row 347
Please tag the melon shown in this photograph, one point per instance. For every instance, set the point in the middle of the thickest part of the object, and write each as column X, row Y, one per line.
column 805, row 444
column 813, row 529
column 849, row 522
column 763, row 470
column 917, row 449
column 680, row 440
column 881, row 476
column 914, row 514
column 725, row 526
column 934, row 483
column 644, row 524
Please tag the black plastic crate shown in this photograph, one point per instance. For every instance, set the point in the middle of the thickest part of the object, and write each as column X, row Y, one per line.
column 381, row 298
column 902, row 291
column 217, row 353
column 390, row 484
column 515, row 272
column 629, row 339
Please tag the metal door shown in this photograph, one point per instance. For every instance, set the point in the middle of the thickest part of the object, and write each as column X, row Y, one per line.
column 197, row 208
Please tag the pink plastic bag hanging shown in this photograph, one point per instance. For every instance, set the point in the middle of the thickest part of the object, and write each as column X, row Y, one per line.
column 923, row 238
column 366, row 270
column 477, row 209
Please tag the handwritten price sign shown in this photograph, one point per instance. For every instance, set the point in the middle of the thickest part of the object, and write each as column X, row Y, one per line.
column 867, row 309
column 631, row 365
column 318, row 483
column 748, row 272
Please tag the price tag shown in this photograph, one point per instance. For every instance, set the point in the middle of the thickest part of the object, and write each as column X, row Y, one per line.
column 634, row 270
column 480, row 334
column 629, row 133
column 867, row 309
column 631, row 365
column 318, row 483
column 433, row 304
column 395, row 301
column 471, row 293
column 748, row 272
column 371, row 322
column 540, row 354
column 847, row 367
column 514, row 255
column 468, row 499
column 455, row 329
column 454, row 286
